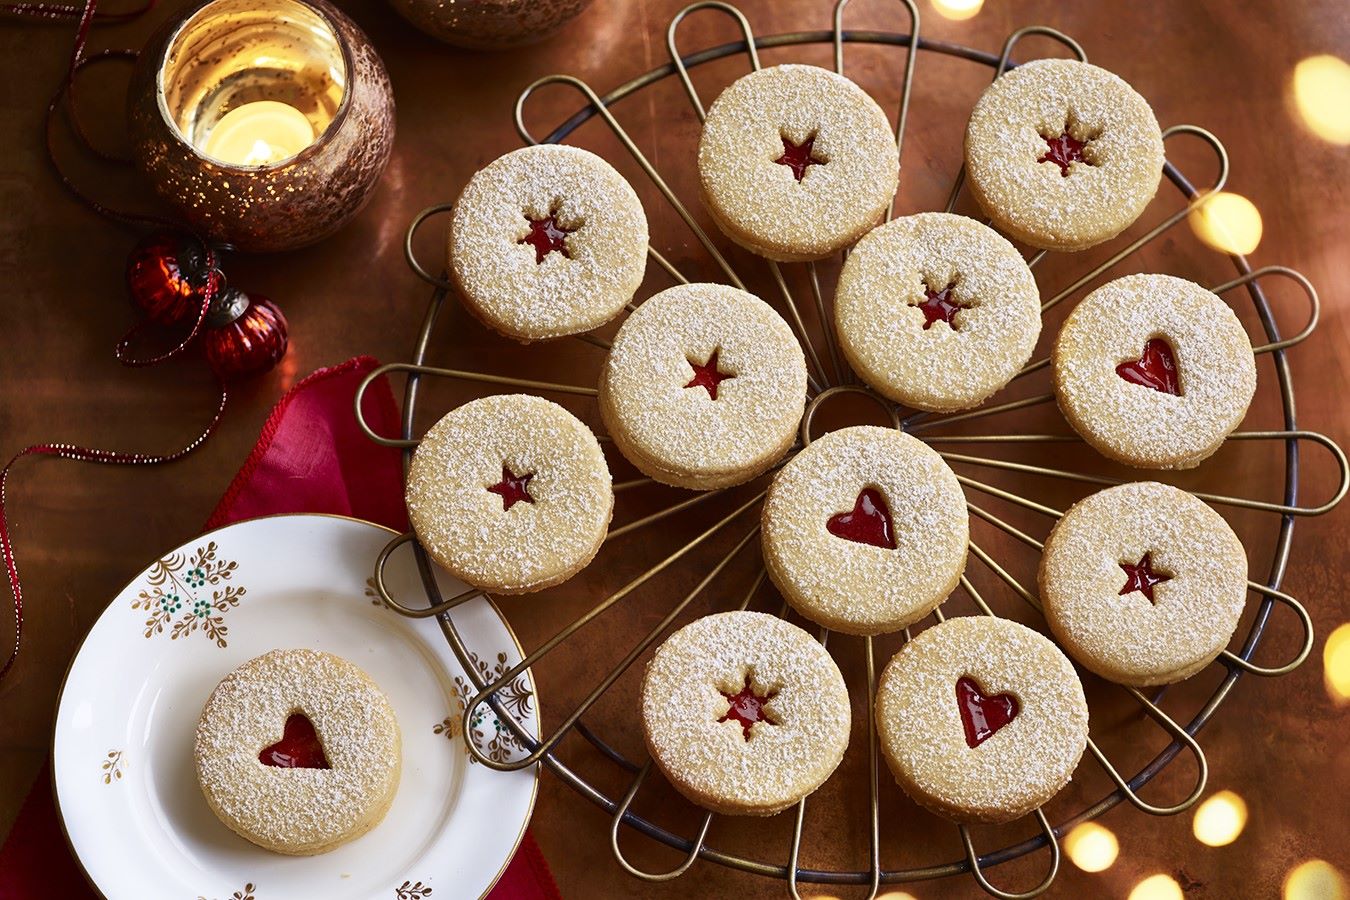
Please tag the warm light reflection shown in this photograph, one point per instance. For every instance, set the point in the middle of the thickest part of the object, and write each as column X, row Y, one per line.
column 896, row 895
column 1220, row 819
column 1315, row 879
column 1228, row 222
column 1092, row 847
column 1322, row 97
column 1336, row 664
column 956, row 10
column 1157, row 887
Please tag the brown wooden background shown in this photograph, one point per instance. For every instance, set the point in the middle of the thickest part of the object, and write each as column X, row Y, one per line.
column 82, row 531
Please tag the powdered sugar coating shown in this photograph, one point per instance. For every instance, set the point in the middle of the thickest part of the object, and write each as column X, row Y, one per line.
column 758, row 203
column 499, row 278
column 942, row 367
column 854, row 587
column 1033, row 201
column 298, row 811
column 681, row 435
column 1020, row 766
column 1131, row 639
column 711, row 762
column 530, row 546
column 1137, row 425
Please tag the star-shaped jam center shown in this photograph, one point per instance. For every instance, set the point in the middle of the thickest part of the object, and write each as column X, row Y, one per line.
column 798, row 157
column 747, row 707
column 708, row 375
column 547, row 235
column 1064, row 150
column 512, row 488
column 940, row 306
column 1141, row 577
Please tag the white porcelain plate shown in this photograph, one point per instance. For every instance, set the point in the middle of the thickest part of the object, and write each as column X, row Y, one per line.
column 125, row 782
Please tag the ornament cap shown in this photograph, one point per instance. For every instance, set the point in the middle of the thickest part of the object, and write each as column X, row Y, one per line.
column 226, row 307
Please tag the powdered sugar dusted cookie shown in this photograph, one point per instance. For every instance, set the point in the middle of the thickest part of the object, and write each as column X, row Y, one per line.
column 298, row 751
column 745, row 713
column 865, row 531
column 1154, row 371
column 1063, row 154
column 510, row 493
column 547, row 241
column 796, row 162
column 937, row 311
column 981, row 719
column 703, row 387
column 1143, row 583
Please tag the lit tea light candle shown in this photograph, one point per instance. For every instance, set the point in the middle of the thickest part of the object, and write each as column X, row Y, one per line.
column 259, row 134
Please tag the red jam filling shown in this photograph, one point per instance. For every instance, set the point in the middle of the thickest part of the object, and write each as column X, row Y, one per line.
column 747, row 707
column 798, row 157
column 707, row 375
column 939, row 306
column 1156, row 369
column 512, row 488
column 869, row 522
column 983, row 715
column 1065, row 149
column 1141, row 577
column 547, row 236
column 299, row 747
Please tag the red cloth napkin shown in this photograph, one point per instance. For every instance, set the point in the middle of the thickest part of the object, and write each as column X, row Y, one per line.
column 311, row 457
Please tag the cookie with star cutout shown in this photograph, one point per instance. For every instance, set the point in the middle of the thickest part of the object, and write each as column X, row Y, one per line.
column 744, row 713
column 1154, row 371
column 865, row 531
column 1143, row 583
column 936, row 311
column 547, row 241
column 981, row 719
column 1062, row 154
column 796, row 162
column 703, row 387
column 510, row 493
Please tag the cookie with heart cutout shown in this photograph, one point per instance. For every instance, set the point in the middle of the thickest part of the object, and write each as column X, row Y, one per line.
column 1153, row 371
column 865, row 531
column 1143, row 583
column 981, row 719
column 298, row 751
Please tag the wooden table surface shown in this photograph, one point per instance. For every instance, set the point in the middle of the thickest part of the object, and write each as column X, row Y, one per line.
column 82, row 531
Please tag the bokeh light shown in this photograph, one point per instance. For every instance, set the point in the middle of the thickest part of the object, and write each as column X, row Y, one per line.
column 957, row 10
column 1157, row 887
column 1336, row 664
column 1091, row 847
column 1315, row 879
column 1220, row 819
column 896, row 895
column 1228, row 222
column 1322, row 97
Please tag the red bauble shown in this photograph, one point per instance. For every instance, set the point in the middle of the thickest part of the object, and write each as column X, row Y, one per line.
column 169, row 274
column 244, row 335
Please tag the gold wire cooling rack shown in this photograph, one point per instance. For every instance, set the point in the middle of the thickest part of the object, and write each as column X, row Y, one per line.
column 824, row 385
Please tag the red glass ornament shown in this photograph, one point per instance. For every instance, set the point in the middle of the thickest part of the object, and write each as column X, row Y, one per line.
column 707, row 375
column 1156, row 368
column 869, row 522
column 798, row 157
column 244, row 335
column 169, row 274
column 1141, row 577
column 747, row 708
column 299, row 747
column 981, row 714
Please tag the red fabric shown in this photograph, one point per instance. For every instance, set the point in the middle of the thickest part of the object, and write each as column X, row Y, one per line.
column 311, row 457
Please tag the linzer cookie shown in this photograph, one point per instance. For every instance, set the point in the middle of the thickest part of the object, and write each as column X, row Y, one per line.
column 796, row 162
column 298, row 751
column 981, row 719
column 1062, row 154
column 703, row 387
column 1154, row 371
column 1143, row 583
column 936, row 311
column 547, row 241
column 745, row 713
column 865, row 531
column 510, row 493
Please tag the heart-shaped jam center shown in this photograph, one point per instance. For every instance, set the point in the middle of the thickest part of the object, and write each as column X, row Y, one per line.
column 299, row 747
column 869, row 522
column 940, row 306
column 747, row 707
column 707, row 375
column 981, row 714
column 798, row 157
column 547, row 236
column 1156, row 368
column 512, row 488
column 1141, row 577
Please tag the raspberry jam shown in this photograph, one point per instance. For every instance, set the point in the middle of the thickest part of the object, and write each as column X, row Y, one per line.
column 981, row 714
column 869, row 522
column 747, row 707
column 547, row 236
column 939, row 306
column 1156, row 368
column 513, row 488
column 1141, row 577
column 707, row 375
column 1065, row 149
column 798, row 157
column 299, row 747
